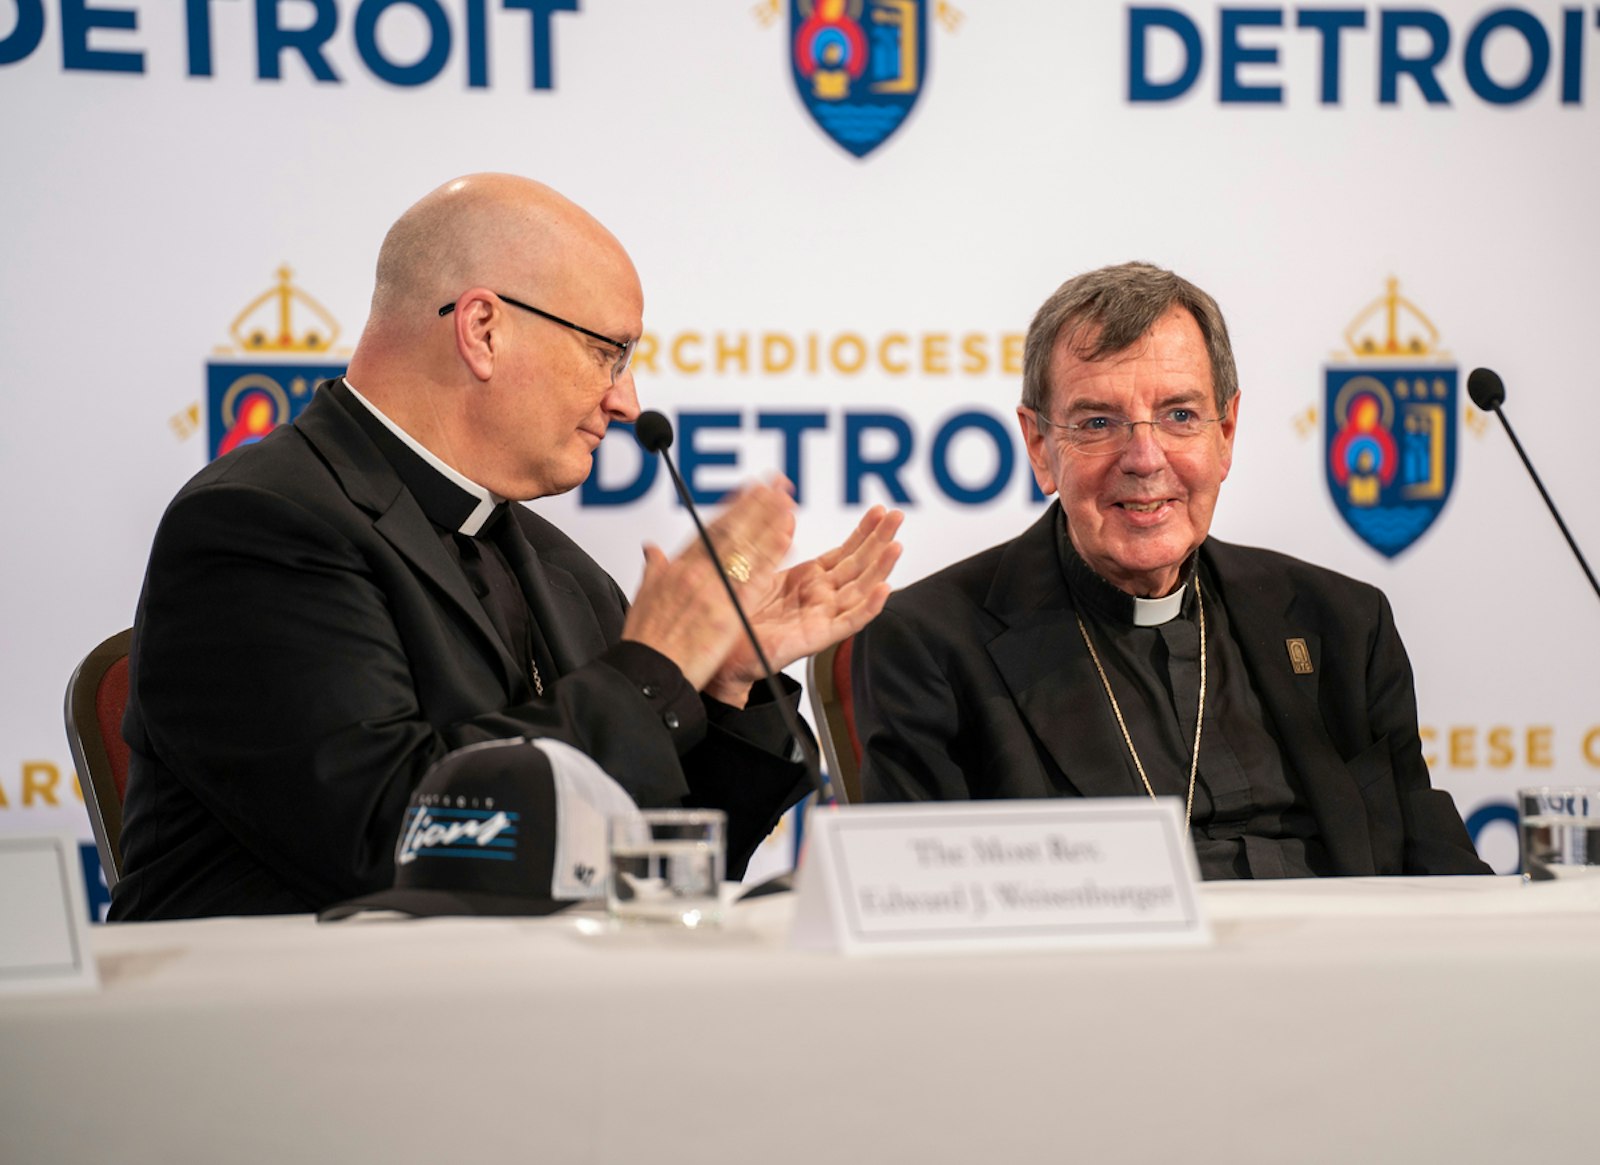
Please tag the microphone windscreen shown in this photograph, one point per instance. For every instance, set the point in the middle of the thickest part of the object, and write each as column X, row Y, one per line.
column 653, row 431
column 1486, row 389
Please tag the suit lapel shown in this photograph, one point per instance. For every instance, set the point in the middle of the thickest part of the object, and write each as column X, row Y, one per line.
column 1262, row 608
column 564, row 614
column 1043, row 660
column 371, row 483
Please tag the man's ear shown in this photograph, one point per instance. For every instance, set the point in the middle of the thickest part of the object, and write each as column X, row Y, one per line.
column 478, row 318
column 1228, row 425
column 1033, row 437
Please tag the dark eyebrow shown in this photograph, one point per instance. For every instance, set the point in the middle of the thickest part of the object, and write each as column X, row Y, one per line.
column 1091, row 406
column 1186, row 398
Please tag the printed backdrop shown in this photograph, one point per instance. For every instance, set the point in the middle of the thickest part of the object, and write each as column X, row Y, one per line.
column 844, row 213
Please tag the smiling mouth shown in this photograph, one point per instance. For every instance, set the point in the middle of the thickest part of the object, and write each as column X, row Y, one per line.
column 1143, row 507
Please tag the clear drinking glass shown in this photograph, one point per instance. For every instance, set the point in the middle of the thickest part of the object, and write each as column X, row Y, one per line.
column 1559, row 831
column 666, row 866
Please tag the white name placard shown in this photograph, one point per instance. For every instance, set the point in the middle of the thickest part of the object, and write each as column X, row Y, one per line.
column 43, row 917
column 1001, row 875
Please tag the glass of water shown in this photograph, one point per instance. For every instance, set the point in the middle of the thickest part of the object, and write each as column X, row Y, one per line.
column 666, row 866
column 1560, row 831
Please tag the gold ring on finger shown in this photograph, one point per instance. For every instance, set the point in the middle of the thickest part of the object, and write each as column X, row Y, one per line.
column 737, row 566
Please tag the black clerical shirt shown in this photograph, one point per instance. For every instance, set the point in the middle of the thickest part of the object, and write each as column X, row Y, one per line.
column 478, row 533
column 1250, row 818
column 482, row 536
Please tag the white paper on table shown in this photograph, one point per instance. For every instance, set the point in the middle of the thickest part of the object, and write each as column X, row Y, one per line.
column 44, row 940
column 1012, row 875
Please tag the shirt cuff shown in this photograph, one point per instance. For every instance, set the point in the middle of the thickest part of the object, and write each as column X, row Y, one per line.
column 760, row 721
column 673, row 702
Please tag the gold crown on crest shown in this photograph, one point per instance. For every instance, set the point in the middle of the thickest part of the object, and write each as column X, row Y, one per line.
column 268, row 323
column 1376, row 331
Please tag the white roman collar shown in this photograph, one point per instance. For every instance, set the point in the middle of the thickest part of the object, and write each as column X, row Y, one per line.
column 1153, row 612
column 487, row 500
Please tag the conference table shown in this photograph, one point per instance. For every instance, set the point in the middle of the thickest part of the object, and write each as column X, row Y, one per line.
column 1342, row 1020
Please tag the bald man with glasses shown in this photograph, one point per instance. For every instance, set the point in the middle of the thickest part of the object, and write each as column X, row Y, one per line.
column 330, row 611
column 1116, row 649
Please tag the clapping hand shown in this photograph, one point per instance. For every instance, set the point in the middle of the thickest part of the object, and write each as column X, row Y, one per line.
column 682, row 610
column 799, row 611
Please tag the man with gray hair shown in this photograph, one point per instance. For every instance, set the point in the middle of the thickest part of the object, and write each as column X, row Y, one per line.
column 1114, row 649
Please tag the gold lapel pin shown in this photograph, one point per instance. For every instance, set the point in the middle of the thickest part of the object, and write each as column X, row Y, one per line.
column 1299, row 656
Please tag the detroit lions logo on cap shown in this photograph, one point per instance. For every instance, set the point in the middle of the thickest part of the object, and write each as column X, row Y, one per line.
column 445, row 831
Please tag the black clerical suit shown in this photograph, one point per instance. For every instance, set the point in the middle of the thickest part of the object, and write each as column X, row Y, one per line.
column 976, row 683
column 307, row 645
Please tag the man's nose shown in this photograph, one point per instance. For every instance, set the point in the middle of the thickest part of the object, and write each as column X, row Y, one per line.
column 622, row 402
column 1144, row 453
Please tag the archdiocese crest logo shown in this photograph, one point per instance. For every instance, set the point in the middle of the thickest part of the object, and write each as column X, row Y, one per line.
column 247, row 399
column 1390, row 449
column 859, row 65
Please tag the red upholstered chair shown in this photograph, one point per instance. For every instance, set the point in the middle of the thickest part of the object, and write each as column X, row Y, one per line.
column 96, row 695
column 828, row 682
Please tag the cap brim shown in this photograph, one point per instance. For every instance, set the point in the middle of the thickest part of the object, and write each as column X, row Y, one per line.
column 435, row 903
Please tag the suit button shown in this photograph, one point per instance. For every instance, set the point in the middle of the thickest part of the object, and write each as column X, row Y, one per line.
column 671, row 720
column 650, row 691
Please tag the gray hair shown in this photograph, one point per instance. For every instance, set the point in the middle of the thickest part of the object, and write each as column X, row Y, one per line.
column 1115, row 307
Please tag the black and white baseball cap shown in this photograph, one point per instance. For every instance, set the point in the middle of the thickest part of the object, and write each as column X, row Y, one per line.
column 505, row 827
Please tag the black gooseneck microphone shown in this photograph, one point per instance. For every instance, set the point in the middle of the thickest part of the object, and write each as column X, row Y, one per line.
column 654, row 433
column 1488, row 392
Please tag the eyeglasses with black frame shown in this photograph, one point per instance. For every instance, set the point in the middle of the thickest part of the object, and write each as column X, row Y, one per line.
column 624, row 350
column 1104, row 435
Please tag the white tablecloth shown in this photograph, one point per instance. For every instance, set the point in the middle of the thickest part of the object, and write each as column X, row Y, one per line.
column 1335, row 1021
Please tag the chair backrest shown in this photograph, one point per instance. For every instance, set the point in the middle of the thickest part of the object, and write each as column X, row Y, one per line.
column 96, row 695
column 828, row 682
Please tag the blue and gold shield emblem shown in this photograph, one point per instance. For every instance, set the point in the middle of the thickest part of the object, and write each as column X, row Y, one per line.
column 247, row 399
column 858, row 65
column 1390, row 403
